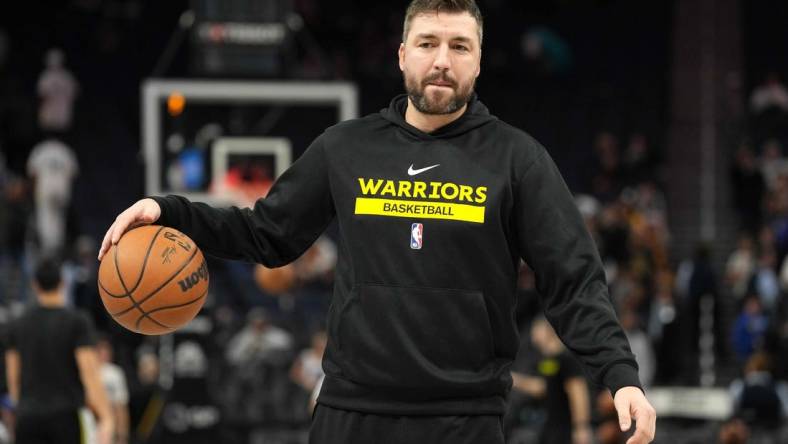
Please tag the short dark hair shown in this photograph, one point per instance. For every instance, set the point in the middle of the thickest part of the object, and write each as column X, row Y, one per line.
column 417, row 7
column 47, row 274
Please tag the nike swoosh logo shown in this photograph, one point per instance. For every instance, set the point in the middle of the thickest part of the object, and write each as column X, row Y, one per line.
column 412, row 172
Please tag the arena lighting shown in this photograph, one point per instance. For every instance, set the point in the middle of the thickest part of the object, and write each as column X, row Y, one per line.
column 175, row 103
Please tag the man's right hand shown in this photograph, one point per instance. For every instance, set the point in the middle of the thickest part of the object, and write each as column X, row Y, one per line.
column 144, row 212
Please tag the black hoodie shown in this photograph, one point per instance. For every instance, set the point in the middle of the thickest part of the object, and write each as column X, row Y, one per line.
column 433, row 227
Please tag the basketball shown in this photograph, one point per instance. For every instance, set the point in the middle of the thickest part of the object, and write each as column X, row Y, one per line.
column 275, row 281
column 154, row 280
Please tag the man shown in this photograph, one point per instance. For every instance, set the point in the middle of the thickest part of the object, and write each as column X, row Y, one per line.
column 58, row 89
column 436, row 201
column 114, row 381
column 562, row 386
column 52, row 368
column 52, row 166
column 258, row 341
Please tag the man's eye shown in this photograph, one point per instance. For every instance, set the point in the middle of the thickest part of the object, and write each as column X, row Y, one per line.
column 460, row 47
column 425, row 45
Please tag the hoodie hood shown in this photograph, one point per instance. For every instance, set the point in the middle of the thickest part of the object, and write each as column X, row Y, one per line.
column 475, row 115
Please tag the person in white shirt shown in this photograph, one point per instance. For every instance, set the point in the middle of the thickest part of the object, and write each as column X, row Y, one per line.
column 771, row 93
column 307, row 369
column 57, row 89
column 114, row 380
column 53, row 166
column 258, row 340
column 740, row 266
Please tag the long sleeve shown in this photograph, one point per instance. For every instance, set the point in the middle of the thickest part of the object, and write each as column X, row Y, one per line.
column 276, row 231
column 555, row 242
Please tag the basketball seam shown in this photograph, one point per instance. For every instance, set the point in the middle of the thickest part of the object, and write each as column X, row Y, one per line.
column 116, row 296
column 142, row 271
column 148, row 296
column 168, row 307
column 145, row 261
column 123, row 284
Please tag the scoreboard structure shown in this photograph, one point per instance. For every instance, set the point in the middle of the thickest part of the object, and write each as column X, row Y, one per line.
column 242, row 37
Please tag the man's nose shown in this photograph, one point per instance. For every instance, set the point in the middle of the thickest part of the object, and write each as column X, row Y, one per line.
column 442, row 58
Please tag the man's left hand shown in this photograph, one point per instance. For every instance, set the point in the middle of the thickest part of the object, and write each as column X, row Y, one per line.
column 632, row 404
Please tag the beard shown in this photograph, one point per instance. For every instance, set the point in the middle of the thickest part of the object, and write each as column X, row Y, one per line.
column 440, row 102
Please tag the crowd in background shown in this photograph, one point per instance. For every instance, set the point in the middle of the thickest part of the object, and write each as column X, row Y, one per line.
column 267, row 333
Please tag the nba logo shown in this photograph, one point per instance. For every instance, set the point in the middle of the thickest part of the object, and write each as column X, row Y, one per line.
column 416, row 232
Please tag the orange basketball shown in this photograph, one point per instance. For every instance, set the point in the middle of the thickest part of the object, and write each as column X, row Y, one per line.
column 275, row 281
column 154, row 280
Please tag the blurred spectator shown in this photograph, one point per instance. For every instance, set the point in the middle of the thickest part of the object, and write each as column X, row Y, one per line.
column 647, row 198
column 608, row 431
column 563, row 387
column 769, row 106
column 696, row 279
column 114, row 381
column 769, row 94
column 773, row 163
column 734, row 431
column 765, row 283
column 748, row 186
column 143, row 394
column 52, row 368
column 147, row 366
column 312, row 403
column 84, row 291
column 639, row 160
column 614, row 234
column 57, row 89
column 776, row 340
column 257, row 340
column 52, row 166
column 766, row 239
column 260, row 389
column 749, row 327
column 589, row 208
column 607, row 181
column 225, row 321
column 307, row 369
column 647, row 228
column 15, row 209
column 641, row 346
column 740, row 266
column 664, row 330
column 758, row 398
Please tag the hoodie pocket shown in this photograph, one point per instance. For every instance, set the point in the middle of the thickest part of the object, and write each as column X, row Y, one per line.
column 406, row 337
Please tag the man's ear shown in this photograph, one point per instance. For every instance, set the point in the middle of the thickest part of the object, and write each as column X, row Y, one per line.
column 401, row 54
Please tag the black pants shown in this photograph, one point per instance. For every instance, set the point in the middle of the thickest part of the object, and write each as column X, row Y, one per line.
column 335, row 426
column 62, row 428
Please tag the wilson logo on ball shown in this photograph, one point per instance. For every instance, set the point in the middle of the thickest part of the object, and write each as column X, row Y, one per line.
column 192, row 280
